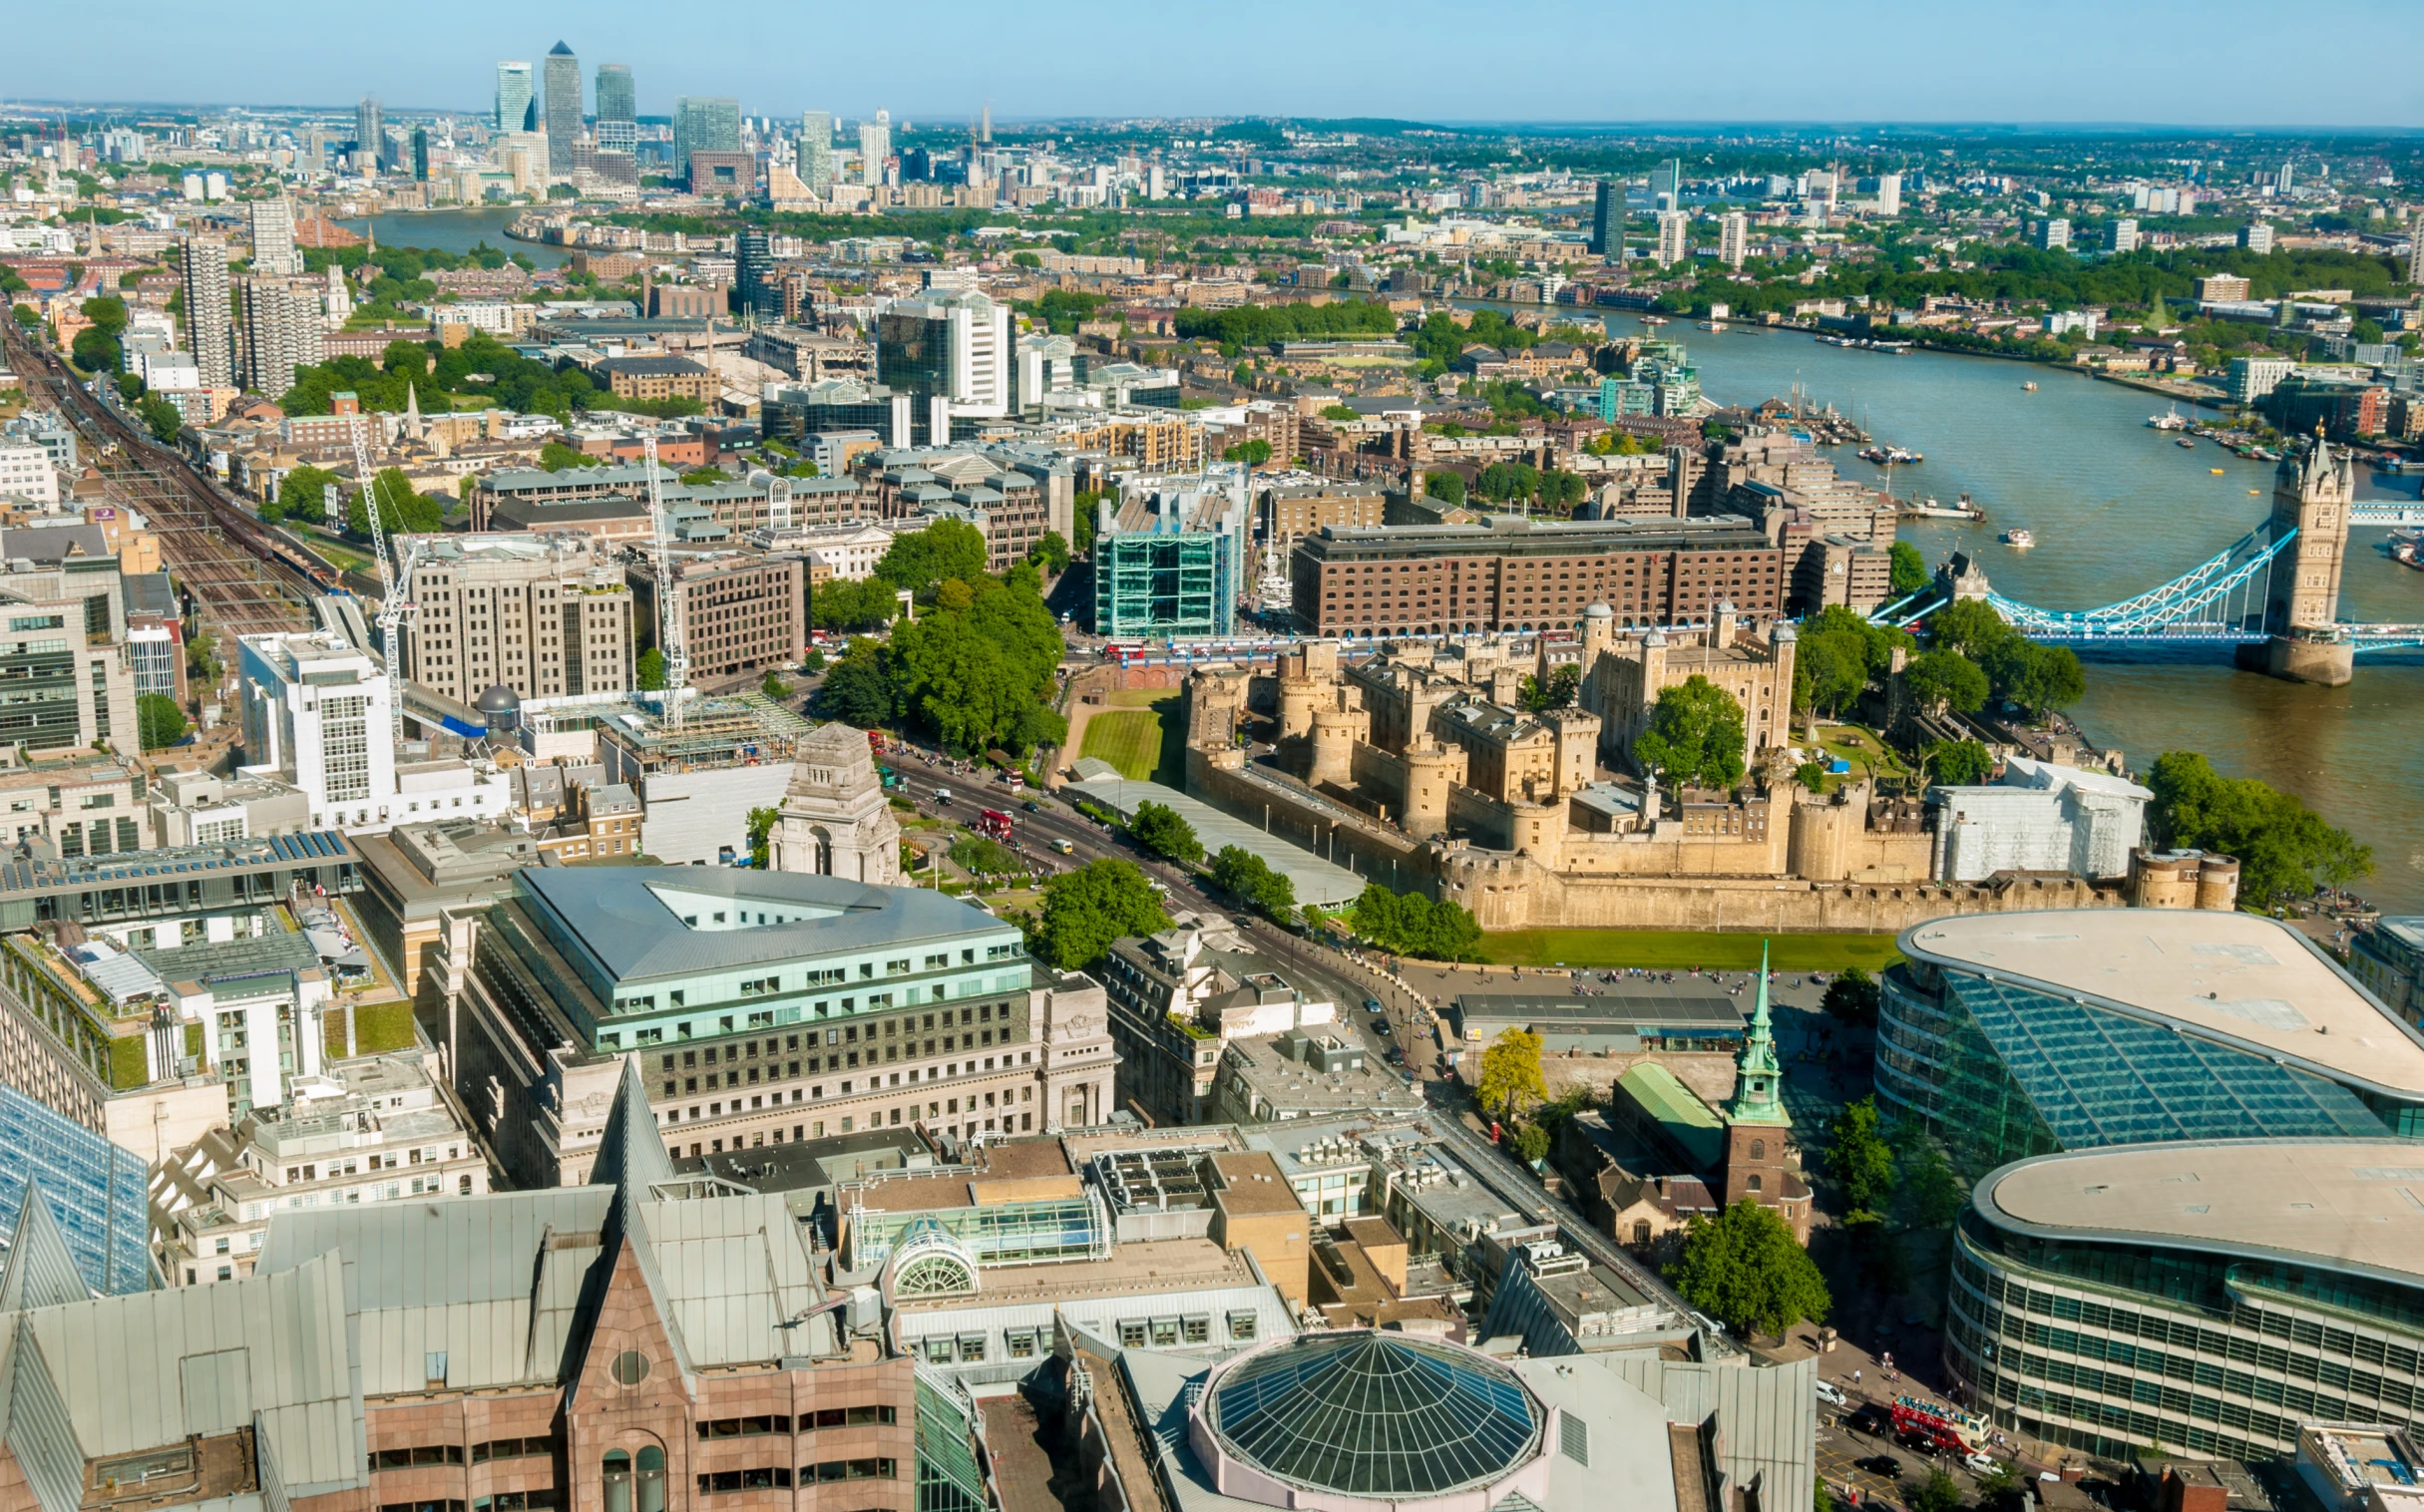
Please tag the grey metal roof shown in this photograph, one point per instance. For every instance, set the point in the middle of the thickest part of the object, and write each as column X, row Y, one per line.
column 618, row 915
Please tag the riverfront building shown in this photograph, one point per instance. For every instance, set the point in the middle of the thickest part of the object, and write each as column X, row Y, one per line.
column 2023, row 1034
column 2204, row 1296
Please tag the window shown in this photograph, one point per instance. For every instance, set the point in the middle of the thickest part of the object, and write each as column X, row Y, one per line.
column 419, row 1455
column 1133, row 1334
column 631, row 1368
column 848, row 1469
column 1242, row 1328
column 744, row 1480
column 511, row 1448
column 744, row 1427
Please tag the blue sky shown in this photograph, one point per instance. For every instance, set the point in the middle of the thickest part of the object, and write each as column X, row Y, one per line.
column 2213, row 61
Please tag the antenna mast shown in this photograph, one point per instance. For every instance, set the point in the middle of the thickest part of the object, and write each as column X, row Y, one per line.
column 392, row 607
column 668, row 595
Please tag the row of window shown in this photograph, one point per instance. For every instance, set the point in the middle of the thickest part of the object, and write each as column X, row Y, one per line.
column 1134, row 1333
column 823, row 1417
column 779, row 1476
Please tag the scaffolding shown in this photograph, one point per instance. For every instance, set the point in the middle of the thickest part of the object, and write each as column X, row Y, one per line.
column 746, row 730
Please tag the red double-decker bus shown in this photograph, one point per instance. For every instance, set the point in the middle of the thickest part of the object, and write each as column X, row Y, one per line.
column 992, row 824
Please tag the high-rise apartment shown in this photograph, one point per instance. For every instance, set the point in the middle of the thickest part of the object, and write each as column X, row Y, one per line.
column 284, row 331
column 420, row 155
column 2122, row 236
column 204, row 262
column 1889, row 193
column 2415, row 249
column 703, row 124
column 543, row 615
column 2257, row 236
column 1732, row 238
column 951, row 351
column 514, row 97
column 816, row 150
column 370, row 130
column 755, row 286
column 1674, row 238
column 875, row 144
column 563, row 86
column 1607, row 221
column 274, row 248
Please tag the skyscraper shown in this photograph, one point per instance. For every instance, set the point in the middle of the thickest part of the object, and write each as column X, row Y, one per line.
column 562, row 81
column 753, row 268
column 1889, row 193
column 1665, row 184
column 816, row 150
column 370, row 130
column 514, row 97
column 703, row 124
column 1607, row 221
column 282, row 331
column 203, row 261
column 420, row 155
column 950, row 354
column 274, row 250
column 1674, row 238
column 1732, row 238
column 875, row 144
column 617, row 99
column 2415, row 248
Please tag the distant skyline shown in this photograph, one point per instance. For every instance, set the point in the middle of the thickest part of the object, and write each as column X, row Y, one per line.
column 2168, row 63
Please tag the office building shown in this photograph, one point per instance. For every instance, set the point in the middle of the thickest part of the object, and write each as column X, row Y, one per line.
column 209, row 324
column 1666, row 185
column 548, row 616
column 1515, row 574
column 875, row 146
column 316, row 714
column 740, row 609
column 274, row 250
column 284, row 331
column 951, row 353
column 1732, row 238
column 2389, row 959
column 2122, row 236
column 64, row 659
column 1179, row 997
column 562, row 114
column 87, row 1191
column 816, row 150
column 2257, row 236
column 1607, row 221
column 2206, row 1296
column 2050, row 235
column 617, row 104
column 703, row 124
column 1170, row 557
column 2039, row 816
column 758, row 1008
column 26, row 474
column 362, row 1131
column 515, row 96
column 2253, row 379
column 370, row 133
column 2021, row 1034
column 755, row 289
column 1674, row 238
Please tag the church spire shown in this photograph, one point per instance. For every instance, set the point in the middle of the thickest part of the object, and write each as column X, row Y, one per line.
column 1758, row 1079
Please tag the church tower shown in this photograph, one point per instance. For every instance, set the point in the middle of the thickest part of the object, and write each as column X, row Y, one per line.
column 1756, row 1125
column 834, row 820
column 2311, row 495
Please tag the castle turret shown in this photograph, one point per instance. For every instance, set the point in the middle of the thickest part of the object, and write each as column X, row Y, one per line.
column 1427, row 778
column 2311, row 495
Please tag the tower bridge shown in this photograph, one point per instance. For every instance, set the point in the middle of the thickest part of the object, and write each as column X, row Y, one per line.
column 2273, row 596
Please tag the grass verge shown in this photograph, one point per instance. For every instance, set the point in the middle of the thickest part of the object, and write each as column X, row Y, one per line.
column 1675, row 949
column 1145, row 744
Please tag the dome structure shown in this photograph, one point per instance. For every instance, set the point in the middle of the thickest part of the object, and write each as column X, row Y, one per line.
column 499, row 699
column 1370, row 1416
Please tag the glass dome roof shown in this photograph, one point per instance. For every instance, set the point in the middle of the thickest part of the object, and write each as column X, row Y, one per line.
column 1375, row 1414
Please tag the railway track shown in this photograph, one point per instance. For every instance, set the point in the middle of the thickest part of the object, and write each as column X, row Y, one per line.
column 242, row 576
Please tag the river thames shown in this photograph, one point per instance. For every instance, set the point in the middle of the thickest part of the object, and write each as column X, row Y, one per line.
column 457, row 231
column 2118, row 508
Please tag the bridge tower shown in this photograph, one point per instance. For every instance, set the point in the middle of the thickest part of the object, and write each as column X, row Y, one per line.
column 2313, row 494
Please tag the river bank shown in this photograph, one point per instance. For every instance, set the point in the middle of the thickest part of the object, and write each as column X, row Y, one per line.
column 458, row 230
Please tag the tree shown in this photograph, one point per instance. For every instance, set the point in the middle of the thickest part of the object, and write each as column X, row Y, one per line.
column 1970, row 626
column 857, row 691
column 1448, row 488
column 761, row 831
column 1909, row 570
column 1510, row 1073
column 1851, row 998
column 775, row 687
column 1694, row 736
column 2284, row 848
column 652, row 671
column 1744, row 1268
column 1249, row 879
column 1829, row 671
column 555, row 456
column 1035, row 728
column 163, row 419
column 1938, row 1493
column 1084, row 911
column 921, row 559
column 1163, row 831
column 1051, row 553
column 1530, row 1142
column 401, row 511
column 1938, row 680
column 1861, row 1161
column 842, row 604
column 1961, row 763
column 980, row 856
column 2037, row 678
column 1252, row 452
column 705, row 476
column 159, row 720
column 1412, row 924
column 302, row 494
column 1565, row 682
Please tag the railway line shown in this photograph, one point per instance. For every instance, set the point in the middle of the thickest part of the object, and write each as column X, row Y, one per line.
column 242, row 576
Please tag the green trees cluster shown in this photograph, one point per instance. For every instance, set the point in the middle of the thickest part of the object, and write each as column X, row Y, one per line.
column 1961, row 763
column 2014, row 668
column 160, row 721
column 96, row 348
column 1861, row 1161
column 1851, row 998
column 1439, row 340
column 163, row 419
column 921, row 562
column 1260, row 324
column 1448, row 488
column 1908, row 568
column 1060, row 310
column 1695, row 738
column 1087, row 910
column 1408, row 923
column 1254, row 882
column 1166, row 832
column 1745, row 1268
column 2285, row 850
column 400, row 509
column 480, row 372
column 1537, row 697
column 1838, row 656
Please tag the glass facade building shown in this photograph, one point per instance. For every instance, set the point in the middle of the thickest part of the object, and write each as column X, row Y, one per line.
column 97, row 1191
column 1167, row 583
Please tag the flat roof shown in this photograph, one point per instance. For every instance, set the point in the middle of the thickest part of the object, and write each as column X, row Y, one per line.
column 1638, row 1007
column 2237, row 977
column 1514, row 535
column 2347, row 1204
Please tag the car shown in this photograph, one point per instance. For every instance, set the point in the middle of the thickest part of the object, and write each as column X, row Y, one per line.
column 1380, row 1028
column 1979, row 1462
column 1919, row 1445
column 1880, row 1464
column 1032, row 806
column 1833, row 1394
column 1872, row 1419
column 1371, row 1005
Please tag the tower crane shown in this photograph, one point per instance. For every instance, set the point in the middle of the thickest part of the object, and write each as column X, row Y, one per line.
column 392, row 607
column 668, row 596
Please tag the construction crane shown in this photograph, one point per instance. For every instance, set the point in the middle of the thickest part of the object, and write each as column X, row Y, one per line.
column 392, row 607
column 668, row 596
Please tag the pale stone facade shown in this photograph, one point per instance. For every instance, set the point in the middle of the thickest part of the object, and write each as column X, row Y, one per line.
column 835, row 820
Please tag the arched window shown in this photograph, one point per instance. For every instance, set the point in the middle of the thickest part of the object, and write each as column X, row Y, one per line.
column 1759, row 1149
column 1641, row 1231
column 618, row 1481
column 651, row 1479
column 1751, row 1184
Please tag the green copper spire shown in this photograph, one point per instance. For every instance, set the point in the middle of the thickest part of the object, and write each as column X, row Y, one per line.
column 1759, row 1080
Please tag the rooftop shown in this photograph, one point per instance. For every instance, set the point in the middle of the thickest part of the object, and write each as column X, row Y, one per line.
column 2342, row 1204
column 2235, row 978
column 1514, row 535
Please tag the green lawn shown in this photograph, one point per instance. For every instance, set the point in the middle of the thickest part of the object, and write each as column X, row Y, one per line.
column 1670, row 950
column 1143, row 743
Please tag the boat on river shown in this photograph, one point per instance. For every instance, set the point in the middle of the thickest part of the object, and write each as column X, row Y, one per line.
column 2018, row 539
column 2029, row 387
column 2169, row 420
column 1930, row 509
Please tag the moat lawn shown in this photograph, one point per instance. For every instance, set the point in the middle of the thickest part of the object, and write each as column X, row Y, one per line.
column 1681, row 949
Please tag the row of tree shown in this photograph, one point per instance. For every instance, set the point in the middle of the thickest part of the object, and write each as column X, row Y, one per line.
column 1408, row 923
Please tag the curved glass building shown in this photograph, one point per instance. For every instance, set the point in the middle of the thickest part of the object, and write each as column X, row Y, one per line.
column 2019, row 1034
column 2203, row 1297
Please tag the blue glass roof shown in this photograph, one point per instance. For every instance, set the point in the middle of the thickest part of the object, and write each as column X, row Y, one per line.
column 2103, row 1078
column 1375, row 1414
column 96, row 1190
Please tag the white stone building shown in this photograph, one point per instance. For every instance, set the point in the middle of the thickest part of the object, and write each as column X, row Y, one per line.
column 2040, row 818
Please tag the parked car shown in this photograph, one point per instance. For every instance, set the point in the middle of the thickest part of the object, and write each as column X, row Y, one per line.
column 1872, row 1419
column 1833, row 1394
column 1880, row 1464
column 1979, row 1462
